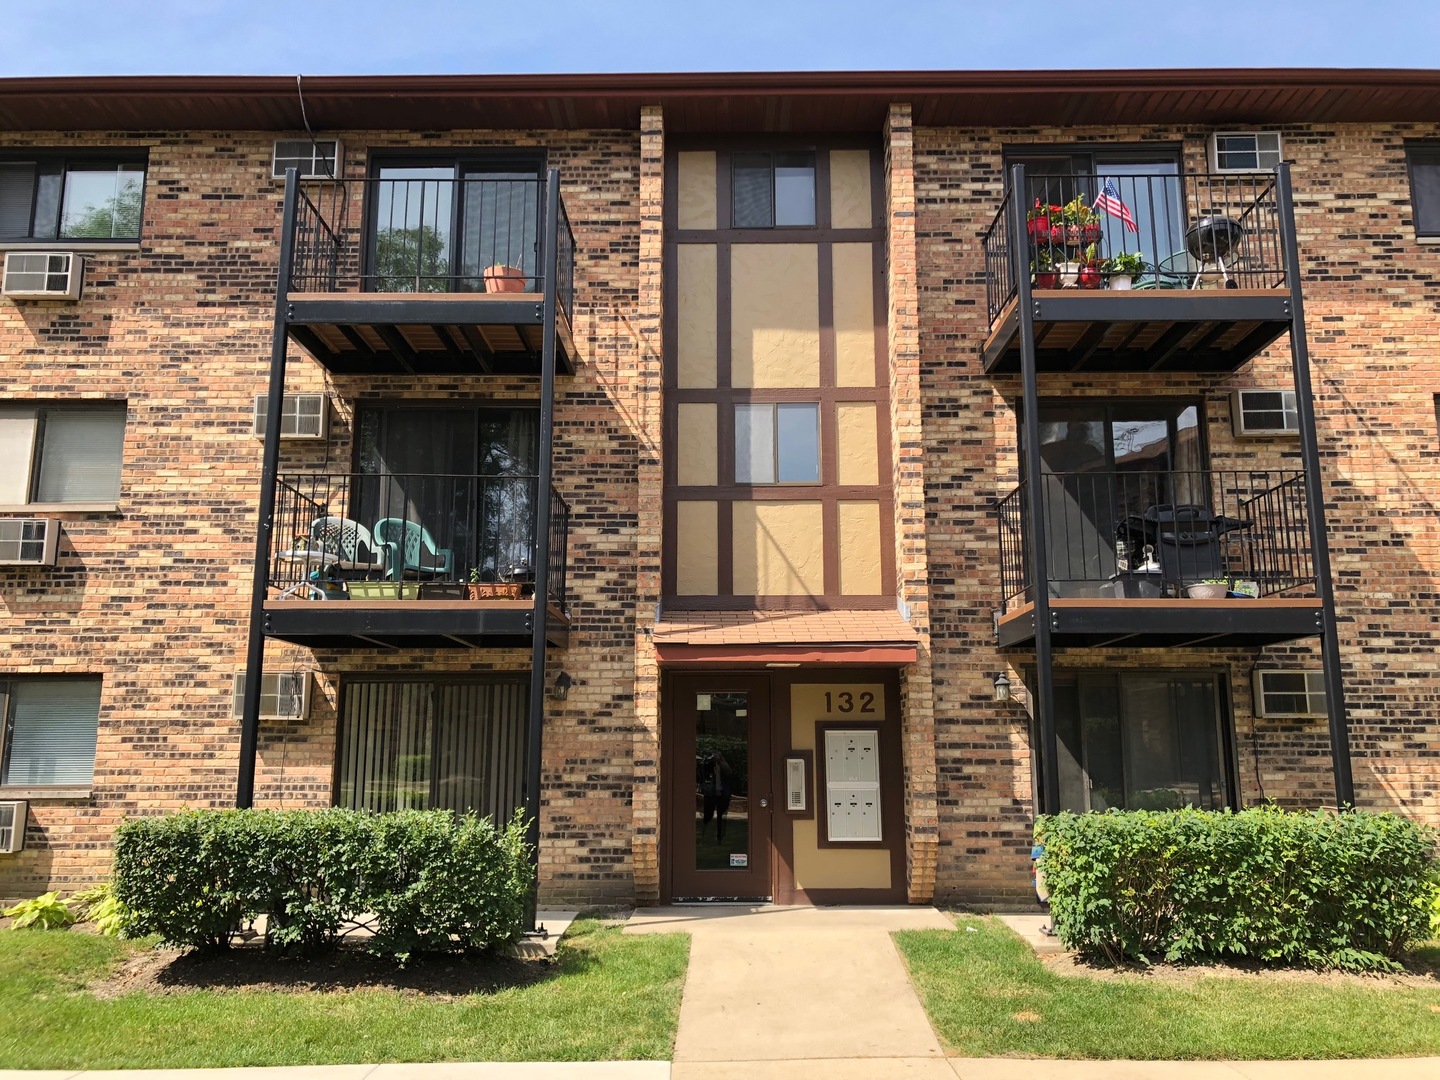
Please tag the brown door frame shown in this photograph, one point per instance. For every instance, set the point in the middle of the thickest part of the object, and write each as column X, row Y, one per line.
column 675, row 783
column 893, row 807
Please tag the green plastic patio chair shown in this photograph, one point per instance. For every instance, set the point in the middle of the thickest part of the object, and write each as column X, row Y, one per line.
column 411, row 549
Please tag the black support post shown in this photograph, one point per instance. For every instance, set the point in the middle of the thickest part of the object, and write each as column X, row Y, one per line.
column 1043, row 699
column 535, row 740
column 1315, row 496
column 270, row 466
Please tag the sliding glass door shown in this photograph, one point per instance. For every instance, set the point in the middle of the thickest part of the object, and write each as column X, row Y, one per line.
column 1141, row 741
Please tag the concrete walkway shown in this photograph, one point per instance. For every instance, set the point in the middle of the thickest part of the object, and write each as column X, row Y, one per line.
column 770, row 986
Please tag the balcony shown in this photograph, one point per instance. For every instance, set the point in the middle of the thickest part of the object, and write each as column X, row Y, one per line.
column 360, row 560
column 1207, row 280
column 444, row 277
column 1128, row 553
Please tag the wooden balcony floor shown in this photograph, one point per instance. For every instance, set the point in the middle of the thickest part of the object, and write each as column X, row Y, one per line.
column 1169, row 622
column 1203, row 330
column 410, row 624
column 361, row 333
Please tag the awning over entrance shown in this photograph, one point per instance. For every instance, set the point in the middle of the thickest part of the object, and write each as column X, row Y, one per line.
column 747, row 638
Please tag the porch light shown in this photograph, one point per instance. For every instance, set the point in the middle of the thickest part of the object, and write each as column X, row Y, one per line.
column 1002, row 687
column 561, row 690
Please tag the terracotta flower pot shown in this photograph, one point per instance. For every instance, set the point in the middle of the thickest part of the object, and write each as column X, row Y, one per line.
column 493, row 590
column 504, row 279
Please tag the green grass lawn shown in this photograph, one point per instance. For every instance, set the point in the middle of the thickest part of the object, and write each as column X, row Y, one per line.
column 611, row 997
column 988, row 995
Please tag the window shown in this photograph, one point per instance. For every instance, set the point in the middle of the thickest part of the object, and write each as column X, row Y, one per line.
column 1424, row 160
column 773, row 190
column 1140, row 741
column 469, row 224
column 313, row 159
column 67, row 455
column 1244, row 151
column 57, row 197
column 777, row 444
column 1290, row 693
column 433, row 745
column 1264, row 412
column 50, row 727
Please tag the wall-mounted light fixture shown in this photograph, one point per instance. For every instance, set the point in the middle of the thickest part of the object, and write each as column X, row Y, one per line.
column 561, row 690
column 1002, row 687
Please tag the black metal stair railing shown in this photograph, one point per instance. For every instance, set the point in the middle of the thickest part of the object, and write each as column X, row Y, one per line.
column 470, row 235
column 1118, row 534
column 1139, row 231
column 382, row 534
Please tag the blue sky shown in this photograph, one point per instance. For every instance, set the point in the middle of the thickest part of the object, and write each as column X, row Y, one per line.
column 324, row 37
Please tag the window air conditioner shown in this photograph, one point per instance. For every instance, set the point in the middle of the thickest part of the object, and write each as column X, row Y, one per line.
column 1244, row 151
column 13, row 815
column 302, row 416
column 43, row 275
column 1290, row 692
column 1264, row 412
column 284, row 695
column 28, row 541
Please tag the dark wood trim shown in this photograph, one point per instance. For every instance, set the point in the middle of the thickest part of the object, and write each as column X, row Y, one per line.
column 716, row 655
column 828, row 395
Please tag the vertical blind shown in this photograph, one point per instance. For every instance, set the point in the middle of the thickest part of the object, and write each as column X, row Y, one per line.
column 427, row 745
column 52, row 731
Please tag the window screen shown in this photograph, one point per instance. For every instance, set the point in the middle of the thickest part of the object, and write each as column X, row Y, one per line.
column 53, row 197
column 770, row 190
column 52, row 729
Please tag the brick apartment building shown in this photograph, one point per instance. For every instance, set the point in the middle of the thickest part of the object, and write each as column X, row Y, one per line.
column 872, row 509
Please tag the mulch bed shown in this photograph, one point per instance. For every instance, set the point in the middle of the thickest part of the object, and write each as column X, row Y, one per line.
column 348, row 969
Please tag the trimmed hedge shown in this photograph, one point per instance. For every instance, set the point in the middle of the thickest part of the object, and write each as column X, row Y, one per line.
column 1300, row 888
column 432, row 881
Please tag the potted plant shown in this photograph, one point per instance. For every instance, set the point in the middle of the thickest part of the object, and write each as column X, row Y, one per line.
column 1041, row 220
column 1089, row 276
column 1042, row 270
column 1082, row 223
column 1123, row 269
column 505, row 279
column 491, row 590
column 384, row 590
column 1209, row 589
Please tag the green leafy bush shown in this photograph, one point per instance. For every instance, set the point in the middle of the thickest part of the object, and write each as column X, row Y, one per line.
column 47, row 912
column 1318, row 889
column 431, row 881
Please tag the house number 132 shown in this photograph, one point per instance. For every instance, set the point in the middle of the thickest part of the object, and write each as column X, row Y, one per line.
column 845, row 702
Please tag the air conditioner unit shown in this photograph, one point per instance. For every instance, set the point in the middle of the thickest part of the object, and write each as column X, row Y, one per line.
column 1264, row 412
column 315, row 159
column 284, row 695
column 1290, row 692
column 43, row 275
column 1244, row 151
column 13, row 815
column 302, row 416
column 28, row 541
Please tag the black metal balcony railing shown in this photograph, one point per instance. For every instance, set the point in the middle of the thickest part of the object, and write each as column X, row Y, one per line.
column 384, row 535
column 1113, row 534
column 1159, row 231
column 430, row 236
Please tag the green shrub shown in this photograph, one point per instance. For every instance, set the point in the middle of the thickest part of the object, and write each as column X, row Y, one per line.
column 431, row 880
column 47, row 912
column 1319, row 889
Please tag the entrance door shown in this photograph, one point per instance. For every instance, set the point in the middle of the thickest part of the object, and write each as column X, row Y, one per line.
column 719, row 780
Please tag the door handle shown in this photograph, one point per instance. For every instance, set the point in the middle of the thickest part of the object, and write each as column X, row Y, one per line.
column 764, row 803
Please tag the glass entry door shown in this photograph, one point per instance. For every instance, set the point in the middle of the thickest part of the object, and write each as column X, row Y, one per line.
column 719, row 779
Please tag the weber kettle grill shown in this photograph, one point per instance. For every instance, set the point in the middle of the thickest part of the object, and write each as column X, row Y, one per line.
column 1211, row 241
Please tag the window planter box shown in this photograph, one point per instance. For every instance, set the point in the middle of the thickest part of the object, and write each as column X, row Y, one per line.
column 442, row 592
column 384, row 590
column 494, row 590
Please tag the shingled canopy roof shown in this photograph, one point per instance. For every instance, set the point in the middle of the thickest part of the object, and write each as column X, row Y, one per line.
column 723, row 102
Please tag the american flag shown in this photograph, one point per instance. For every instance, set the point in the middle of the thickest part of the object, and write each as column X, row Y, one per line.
column 1109, row 201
